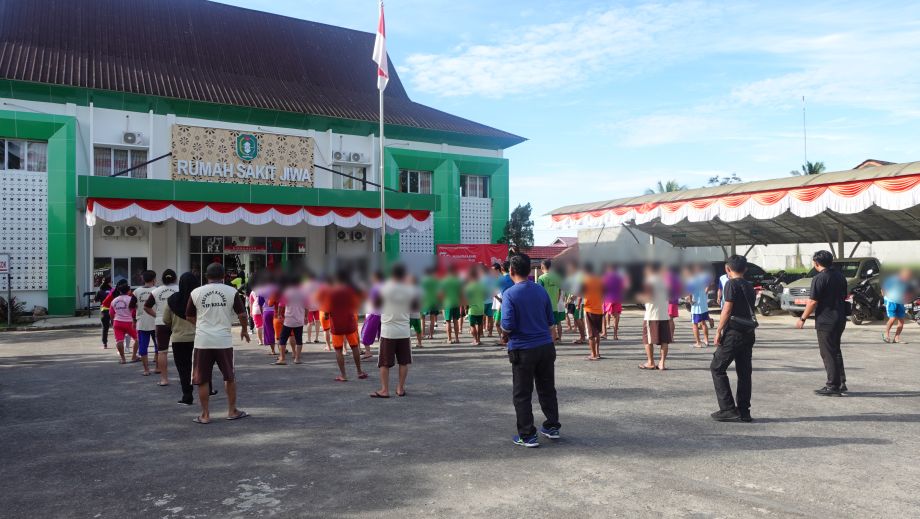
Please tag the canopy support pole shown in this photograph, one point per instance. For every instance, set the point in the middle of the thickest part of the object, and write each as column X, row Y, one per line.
column 840, row 250
column 852, row 252
column 749, row 249
column 631, row 233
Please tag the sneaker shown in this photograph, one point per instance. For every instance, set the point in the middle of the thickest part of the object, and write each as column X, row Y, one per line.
column 827, row 391
column 550, row 432
column 529, row 441
column 843, row 388
column 728, row 415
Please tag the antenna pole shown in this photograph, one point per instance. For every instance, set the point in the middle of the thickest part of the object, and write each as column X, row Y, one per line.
column 804, row 132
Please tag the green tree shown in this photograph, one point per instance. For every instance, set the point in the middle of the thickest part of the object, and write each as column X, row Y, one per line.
column 666, row 187
column 518, row 233
column 724, row 181
column 809, row 168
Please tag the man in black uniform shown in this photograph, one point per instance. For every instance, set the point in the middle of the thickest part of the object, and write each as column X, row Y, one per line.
column 827, row 301
column 734, row 343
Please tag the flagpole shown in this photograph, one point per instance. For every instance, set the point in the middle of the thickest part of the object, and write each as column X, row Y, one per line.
column 381, row 181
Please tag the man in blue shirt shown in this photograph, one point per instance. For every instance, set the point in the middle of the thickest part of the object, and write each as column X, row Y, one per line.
column 526, row 319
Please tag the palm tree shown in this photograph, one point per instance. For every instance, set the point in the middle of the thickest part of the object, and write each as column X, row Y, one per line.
column 667, row 187
column 809, row 168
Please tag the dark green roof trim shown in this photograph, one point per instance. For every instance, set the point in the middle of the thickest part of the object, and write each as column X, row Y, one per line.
column 186, row 191
column 29, row 91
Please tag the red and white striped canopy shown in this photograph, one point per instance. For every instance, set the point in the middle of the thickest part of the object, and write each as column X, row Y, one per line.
column 845, row 197
column 115, row 210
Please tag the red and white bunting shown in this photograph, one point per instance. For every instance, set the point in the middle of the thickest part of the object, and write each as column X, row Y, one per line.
column 892, row 193
column 116, row 210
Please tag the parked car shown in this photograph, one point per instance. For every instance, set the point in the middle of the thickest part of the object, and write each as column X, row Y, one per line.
column 796, row 294
column 755, row 274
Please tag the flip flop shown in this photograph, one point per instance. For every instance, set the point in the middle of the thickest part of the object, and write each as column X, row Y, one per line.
column 341, row 379
column 162, row 384
column 886, row 339
column 198, row 420
column 279, row 363
column 212, row 392
column 146, row 374
column 362, row 376
column 298, row 362
column 647, row 368
column 243, row 414
column 401, row 394
column 376, row 394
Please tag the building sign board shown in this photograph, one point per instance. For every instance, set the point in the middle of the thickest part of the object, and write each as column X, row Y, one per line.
column 4, row 263
column 230, row 156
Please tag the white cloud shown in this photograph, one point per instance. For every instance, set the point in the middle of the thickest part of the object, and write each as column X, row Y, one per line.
column 557, row 55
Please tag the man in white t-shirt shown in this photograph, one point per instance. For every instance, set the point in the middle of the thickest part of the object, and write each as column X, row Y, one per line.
column 657, row 322
column 211, row 309
column 146, row 323
column 154, row 306
column 397, row 300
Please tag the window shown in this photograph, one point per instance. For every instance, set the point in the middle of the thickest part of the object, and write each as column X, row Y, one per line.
column 116, row 269
column 24, row 155
column 474, row 186
column 356, row 179
column 108, row 161
column 412, row 181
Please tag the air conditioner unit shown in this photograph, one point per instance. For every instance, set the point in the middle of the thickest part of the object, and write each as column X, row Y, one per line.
column 111, row 231
column 133, row 231
column 342, row 235
column 132, row 138
column 358, row 236
column 347, row 156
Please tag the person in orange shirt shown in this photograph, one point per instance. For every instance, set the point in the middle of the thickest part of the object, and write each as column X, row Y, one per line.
column 322, row 300
column 593, row 292
column 344, row 301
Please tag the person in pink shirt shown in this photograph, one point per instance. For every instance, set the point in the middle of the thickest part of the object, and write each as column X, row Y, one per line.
column 123, row 310
column 292, row 307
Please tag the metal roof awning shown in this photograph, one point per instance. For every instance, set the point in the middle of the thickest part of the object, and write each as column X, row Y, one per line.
column 873, row 204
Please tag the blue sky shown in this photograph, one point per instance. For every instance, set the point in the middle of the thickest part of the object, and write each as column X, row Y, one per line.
column 614, row 96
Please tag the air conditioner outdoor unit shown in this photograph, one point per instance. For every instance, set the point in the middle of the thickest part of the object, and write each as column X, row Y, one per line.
column 133, row 138
column 357, row 235
column 111, row 231
column 342, row 235
column 133, row 231
column 347, row 156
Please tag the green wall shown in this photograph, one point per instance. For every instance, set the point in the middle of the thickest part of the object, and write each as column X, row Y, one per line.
column 60, row 132
column 446, row 169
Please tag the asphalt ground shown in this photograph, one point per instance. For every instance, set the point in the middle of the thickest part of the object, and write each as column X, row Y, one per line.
column 83, row 436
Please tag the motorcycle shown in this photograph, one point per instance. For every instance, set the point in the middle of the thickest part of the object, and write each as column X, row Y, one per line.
column 867, row 303
column 766, row 295
column 913, row 310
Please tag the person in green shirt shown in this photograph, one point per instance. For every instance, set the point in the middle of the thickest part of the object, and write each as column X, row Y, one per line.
column 431, row 296
column 451, row 288
column 475, row 293
column 552, row 283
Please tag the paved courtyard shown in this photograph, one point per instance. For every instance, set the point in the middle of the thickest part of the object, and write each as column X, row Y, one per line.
column 85, row 437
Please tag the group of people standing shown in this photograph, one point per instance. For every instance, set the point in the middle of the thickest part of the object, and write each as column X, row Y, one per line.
column 526, row 314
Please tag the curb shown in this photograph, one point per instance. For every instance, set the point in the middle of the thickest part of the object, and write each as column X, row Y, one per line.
column 49, row 328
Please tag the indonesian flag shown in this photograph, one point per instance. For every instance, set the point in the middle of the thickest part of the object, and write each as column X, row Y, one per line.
column 380, row 53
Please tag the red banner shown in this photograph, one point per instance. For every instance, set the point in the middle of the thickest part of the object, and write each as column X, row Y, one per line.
column 465, row 255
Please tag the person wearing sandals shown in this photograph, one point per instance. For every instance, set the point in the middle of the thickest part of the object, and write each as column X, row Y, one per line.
column 396, row 299
column 370, row 330
column 343, row 302
column 656, row 327
column 895, row 291
column 292, row 308
column 211, row 309
column 734, row 343
column 154, row 306
column 145, row 323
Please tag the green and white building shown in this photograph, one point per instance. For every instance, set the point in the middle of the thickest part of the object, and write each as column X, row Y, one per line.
column 230, row 119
